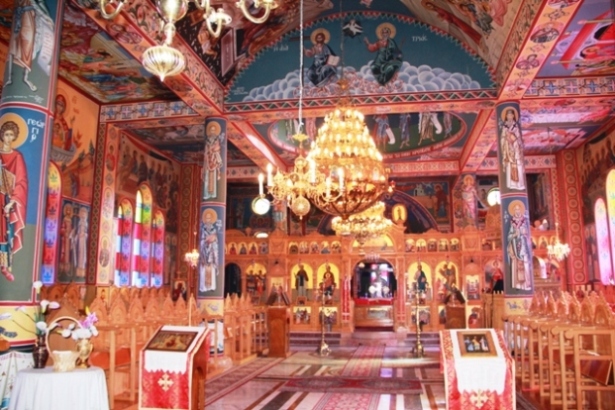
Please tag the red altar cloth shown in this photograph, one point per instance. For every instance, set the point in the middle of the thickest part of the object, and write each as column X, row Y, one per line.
column 168, row 365
column 485, row 368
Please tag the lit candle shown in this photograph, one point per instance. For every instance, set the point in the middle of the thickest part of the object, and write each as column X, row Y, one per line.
column 340, row 173
column 269, row 176
column 261, row 179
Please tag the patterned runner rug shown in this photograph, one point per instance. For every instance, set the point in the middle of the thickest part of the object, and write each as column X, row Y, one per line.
column 345, row 385
column 231, row 380
column 365, row 363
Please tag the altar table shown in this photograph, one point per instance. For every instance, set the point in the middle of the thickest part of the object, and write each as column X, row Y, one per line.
column 478, row 377
column 45, row 389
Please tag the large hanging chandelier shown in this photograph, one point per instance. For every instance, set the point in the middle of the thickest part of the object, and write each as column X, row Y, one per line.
column 344, row 152
column 558, row 251
column 368, row 224
column 164, row 60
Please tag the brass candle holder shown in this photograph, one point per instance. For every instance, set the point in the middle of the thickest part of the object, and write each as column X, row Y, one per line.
column 418, row 351
column 323, row 349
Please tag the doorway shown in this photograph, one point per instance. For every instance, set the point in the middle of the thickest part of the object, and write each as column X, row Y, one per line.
column 373, row 280
column 232, row 280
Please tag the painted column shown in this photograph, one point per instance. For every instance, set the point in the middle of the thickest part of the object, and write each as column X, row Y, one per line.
column 571, row 229
column 26, row 118
column 400, row 298
column 212, row 216
column 516, row 239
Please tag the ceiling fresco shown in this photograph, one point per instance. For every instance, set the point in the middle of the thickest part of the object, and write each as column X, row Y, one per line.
column 427, row 135
column 423, row 67
column 96, row 64
column 587, row 46
column 185, row 143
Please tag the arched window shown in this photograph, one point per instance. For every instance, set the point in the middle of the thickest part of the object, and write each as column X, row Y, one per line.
column 123, row 243
column 157, row 249
column 142, row 237
column 602, row 228
column 52, row 223
column 603, row 241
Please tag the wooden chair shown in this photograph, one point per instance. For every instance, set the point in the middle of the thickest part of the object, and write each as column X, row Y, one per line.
column 115, row 347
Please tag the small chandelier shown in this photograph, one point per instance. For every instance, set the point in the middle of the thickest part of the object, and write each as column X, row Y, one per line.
column 164, row 60
column 292, row 187
column 345, row 154
column 364, row 225
column 558, row 251
column 192, row 258
column 295, row 186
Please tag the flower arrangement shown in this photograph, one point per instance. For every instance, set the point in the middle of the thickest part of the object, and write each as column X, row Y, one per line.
column 86, row 328
column 38, row 317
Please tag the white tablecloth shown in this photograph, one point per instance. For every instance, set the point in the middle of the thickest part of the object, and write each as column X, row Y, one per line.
column 44, row 389
column 480, row 373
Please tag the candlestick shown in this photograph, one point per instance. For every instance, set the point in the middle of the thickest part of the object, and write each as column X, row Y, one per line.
column 269, row 175
column 261, row 178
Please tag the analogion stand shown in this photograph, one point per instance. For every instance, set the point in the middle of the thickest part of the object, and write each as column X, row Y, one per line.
column 479, row 373
column 173, row 369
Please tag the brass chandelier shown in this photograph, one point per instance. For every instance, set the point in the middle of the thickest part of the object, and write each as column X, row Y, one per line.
column 164, row 60
column 365, row 225
column 558, row 251
column 343, row 173
column 346, row 155
column 294, row 187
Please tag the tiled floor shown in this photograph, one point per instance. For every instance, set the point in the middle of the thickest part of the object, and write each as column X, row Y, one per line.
column 265, row 390
column 261, row 387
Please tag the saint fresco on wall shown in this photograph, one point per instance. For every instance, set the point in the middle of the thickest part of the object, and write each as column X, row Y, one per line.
column 73, row 142
column 136, row 166
column 73, row 241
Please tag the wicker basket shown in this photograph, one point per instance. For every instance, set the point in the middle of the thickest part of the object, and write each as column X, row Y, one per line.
column 63, row 360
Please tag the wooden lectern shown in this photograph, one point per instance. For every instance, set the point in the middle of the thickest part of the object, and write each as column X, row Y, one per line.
column 455, row 310
column 278, row 322
column 173, row 368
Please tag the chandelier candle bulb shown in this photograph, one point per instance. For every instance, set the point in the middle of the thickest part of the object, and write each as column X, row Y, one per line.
column 340, row 172
column 269, row 175
column 261, row 179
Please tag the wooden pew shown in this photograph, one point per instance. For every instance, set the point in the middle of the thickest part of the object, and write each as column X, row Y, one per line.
column 594, row 355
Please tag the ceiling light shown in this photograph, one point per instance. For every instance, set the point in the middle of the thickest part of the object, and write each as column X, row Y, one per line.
column 164, row 60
